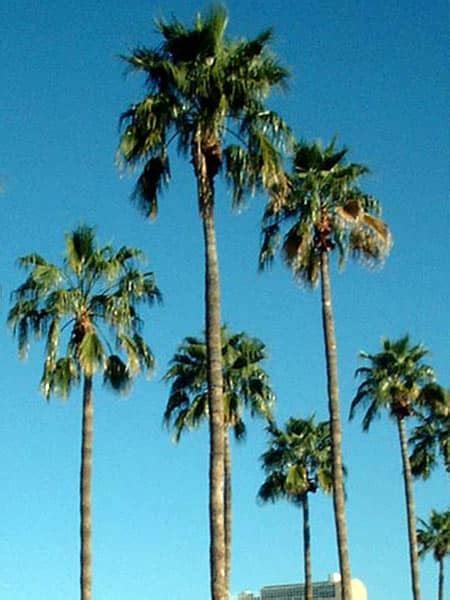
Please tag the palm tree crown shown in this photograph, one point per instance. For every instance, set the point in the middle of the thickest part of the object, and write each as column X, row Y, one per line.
column 327, row 211
column 94, row 287
column 298, row 461
column 202, row 86
column 246, row 383
column 435, row 535
column 397, row 379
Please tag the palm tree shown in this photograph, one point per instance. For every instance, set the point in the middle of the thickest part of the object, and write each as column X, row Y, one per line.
column 89, row 306
column 297, row 463
column 202, row 86
column 325, row 211
column 246, row 385
column 397, row 380
column 430, row 439
column 434, row 536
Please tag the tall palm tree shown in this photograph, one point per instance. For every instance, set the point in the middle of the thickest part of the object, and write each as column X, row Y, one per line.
column 434, row 537
column 297, row 463
column 245, row 385
column 201, row 87
column 398, row 381
column 87, row 309
column 324, row 211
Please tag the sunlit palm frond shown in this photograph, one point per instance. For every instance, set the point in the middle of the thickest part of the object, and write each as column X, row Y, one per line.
column 60, row 377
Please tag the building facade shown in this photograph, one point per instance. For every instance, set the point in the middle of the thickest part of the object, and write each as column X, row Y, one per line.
column 322, row 590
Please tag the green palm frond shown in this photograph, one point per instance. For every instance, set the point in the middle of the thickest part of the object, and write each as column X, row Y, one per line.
column 146, row 358
column 154, row 178
column 31, row 260
column 116, row 374
column 126, row 344
column 204, row 40
column 60, row 377
column 80, row 248
column 424, row 441
column 271, row 239
column 91, row 354
column 273, row 488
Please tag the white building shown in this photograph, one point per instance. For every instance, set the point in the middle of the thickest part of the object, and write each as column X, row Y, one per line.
column 322, row 590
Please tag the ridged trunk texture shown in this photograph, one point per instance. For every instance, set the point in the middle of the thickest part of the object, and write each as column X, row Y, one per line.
column 410, row 510
column 227, row 508
column 441, row 580
column 307, row 549
column 205, row 186
column 86, row 492
column 336, row 429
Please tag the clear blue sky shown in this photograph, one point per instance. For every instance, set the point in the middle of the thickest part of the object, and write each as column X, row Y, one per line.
column 374, row 73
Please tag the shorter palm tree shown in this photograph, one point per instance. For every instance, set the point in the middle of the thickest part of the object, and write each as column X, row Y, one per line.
column 297, row 463
column 245, row 385
column 434, row 537
column 398, row 380
column 430, row 439
column 89, row 306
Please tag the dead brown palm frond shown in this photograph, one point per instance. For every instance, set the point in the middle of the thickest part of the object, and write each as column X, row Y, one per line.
column 350, row 211
column 380, row 228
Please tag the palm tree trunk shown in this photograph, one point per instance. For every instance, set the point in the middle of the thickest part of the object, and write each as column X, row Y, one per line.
column 441, row 580
column 217, row 555
column 410, row 510
column 227, row 508
column 307, row 548
column 336, row 428
column 86, row 492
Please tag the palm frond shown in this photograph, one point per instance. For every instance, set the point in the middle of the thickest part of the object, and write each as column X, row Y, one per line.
column 79, row 248
column 60, row 377
column 116, row 374
column 153, row 179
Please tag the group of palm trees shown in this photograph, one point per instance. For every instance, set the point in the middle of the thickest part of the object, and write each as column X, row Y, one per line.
column 206, row 96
